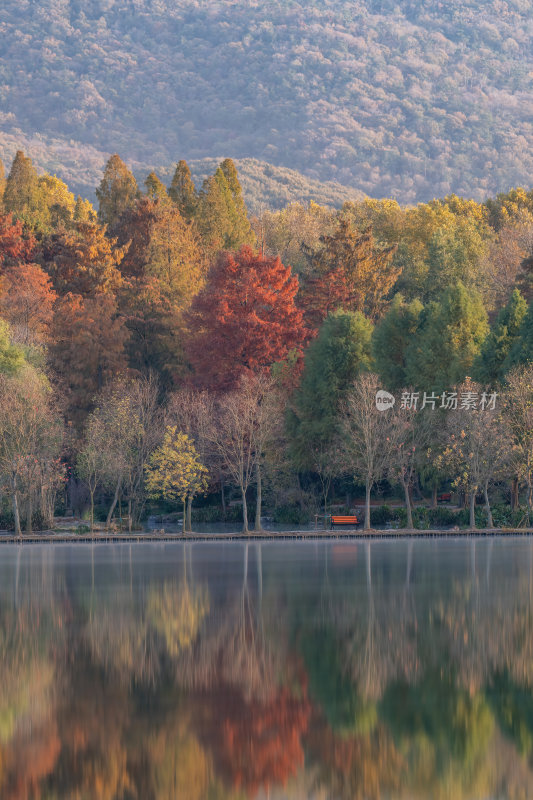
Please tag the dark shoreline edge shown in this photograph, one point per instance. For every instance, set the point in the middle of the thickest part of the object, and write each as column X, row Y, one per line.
column 372, row 534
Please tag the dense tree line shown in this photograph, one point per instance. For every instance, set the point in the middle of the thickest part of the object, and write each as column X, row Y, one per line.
column 167, row 333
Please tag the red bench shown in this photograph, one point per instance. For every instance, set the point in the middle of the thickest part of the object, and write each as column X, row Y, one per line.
column 445, row 497
column 346, row 519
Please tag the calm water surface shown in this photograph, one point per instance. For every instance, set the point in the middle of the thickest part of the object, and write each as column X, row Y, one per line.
column 332, row 670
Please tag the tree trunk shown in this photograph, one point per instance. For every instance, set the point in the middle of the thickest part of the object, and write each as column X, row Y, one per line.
column 29, row 513
column 490, row 523
column 92, row 491
column 184, row 525
column 129, row 515
column 223, row 496
column 113, row 505
column 473, row 508
column 189, row 513
column 529, row 494
column 258, row 501
column 434, row 496
column 514, row 494
column 244, row 511
column 367, row 505
column 408, row 505
column 14, row 496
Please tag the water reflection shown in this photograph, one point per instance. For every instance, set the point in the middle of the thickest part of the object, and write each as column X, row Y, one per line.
column 363, row 670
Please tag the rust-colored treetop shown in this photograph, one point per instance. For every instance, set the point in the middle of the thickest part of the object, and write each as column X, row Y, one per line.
column 244, row 320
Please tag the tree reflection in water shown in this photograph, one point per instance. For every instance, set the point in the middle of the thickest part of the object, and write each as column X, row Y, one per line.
column 364, row 670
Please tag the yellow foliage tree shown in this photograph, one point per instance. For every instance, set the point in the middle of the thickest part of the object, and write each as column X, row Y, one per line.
column 175, row 471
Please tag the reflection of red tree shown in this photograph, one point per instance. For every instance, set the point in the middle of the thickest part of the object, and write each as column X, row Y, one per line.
column 262, row 740
column 27, row 760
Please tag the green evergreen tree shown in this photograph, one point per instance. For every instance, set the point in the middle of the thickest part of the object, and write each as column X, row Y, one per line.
column 22, row 195
column 522, row 350
column 333, row 360
column 449, row 338
column 212, row 217
column 392, row 337
column 454, row 254
column 155, row 188
column 494, row 359
column 118, row 191
column 182, row 191
column 242, row 232
column 221, row 214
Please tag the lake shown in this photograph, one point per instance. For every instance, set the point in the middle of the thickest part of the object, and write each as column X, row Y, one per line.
column 390, row 669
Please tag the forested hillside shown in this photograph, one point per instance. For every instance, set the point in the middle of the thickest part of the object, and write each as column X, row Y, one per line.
column 405, row 99
column 264, row 186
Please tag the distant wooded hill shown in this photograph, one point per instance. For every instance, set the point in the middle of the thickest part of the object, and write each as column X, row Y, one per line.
column 395, row 98
column 264, row 185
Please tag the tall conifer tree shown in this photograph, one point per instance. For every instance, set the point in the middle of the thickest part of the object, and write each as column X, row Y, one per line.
column 22, row 195
column 495, row 356
column 183, row 192
column 118, row 191
column 155, row 188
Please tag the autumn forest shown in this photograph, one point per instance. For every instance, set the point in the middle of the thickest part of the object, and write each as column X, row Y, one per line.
column 169, row 351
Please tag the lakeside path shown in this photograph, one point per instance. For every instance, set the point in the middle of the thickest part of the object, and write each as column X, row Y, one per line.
column 53, row 537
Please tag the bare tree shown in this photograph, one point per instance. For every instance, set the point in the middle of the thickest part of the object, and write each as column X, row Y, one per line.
column 478, row 449
column 30, row 441
column 121, row 433
column 366, row 435
column 410, row 435
column 241, row 428
column 519, row 413
column 143, row 396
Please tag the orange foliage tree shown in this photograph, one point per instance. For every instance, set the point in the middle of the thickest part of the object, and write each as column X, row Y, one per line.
column 244, row 320
column 86, row 348
column 14, row 247
column 348, row 271
column 26, row 294
column 83, row 261
column 26, row 302
column 163, row 268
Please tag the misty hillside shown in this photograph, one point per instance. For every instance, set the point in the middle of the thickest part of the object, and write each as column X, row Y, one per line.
column 409, row 99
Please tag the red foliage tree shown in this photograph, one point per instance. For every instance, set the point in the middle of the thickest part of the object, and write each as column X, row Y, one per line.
column 26, row 302
column 245, row 319
column 13, row 246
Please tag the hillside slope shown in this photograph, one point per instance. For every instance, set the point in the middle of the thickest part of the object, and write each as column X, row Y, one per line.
column 399, row 98
column 264, row 185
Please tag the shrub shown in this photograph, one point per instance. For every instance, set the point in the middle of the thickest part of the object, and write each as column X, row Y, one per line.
column 83, row 529
column 380, row 515
column 291, row 515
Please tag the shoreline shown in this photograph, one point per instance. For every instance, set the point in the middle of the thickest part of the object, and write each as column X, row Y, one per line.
column 270, row 536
